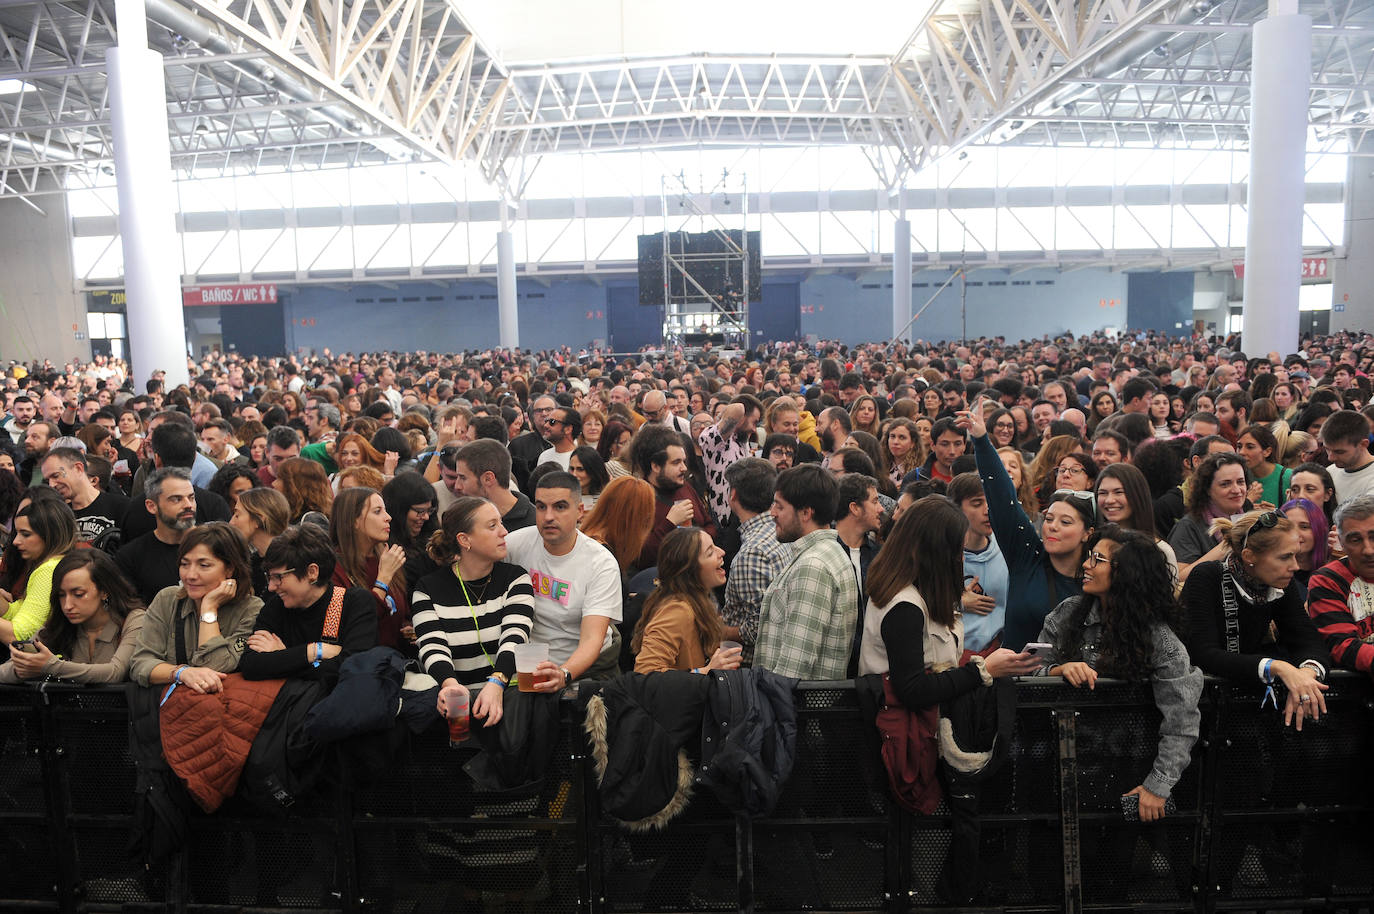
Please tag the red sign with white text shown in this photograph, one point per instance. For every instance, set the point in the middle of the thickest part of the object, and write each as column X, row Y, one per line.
column 1312, row 268
column 262, row 293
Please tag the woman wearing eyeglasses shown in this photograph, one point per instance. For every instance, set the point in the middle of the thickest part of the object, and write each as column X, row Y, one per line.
column 1215, row 491
column 1126, row 625
column 1042, row 570
column 1232, row 604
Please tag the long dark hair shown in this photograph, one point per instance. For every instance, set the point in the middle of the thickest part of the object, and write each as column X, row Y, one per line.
column 925, row 548
column 597, row 474
column 58, row 634
column 1141, row 596
column 402, row 493
column 679, row 579
column 1137, row 492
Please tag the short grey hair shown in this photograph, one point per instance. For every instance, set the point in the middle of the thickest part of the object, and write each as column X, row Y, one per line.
column 1361, row 507
column 157, row 479
column 329, row 413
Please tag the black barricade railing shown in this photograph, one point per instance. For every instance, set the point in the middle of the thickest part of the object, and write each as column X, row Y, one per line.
column 1267, row 819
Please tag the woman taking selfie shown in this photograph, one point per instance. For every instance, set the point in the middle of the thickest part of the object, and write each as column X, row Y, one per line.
column 92, row 629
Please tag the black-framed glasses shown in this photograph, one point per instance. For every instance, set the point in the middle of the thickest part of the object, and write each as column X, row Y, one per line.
column 1096, row 558
column 1266, row 521
column 1069, row 469
column 274, row 577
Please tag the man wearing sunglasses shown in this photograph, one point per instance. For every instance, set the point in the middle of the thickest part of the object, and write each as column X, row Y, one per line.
column 561, row 428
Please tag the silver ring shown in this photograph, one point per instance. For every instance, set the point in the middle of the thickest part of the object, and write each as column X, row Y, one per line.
column 1304, row 698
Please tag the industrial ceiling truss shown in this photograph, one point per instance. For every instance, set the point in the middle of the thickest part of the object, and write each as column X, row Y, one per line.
column 255, row 84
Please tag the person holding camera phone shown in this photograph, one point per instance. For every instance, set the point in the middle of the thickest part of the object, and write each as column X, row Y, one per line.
column 44, row 531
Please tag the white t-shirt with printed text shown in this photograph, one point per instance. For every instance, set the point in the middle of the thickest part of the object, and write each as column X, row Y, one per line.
column 567, row 588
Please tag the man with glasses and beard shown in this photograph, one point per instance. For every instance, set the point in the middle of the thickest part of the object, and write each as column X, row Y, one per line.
column 561, row 428
column 150, row 561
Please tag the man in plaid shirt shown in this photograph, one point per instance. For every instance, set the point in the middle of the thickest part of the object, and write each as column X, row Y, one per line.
column 760, row 558
column 724, row 443
column 806, row 627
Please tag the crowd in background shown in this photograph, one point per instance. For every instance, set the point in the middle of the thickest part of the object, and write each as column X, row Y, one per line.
column 947, row 516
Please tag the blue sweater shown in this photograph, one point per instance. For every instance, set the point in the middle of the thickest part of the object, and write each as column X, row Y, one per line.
column 1033, row 586
column 991, row 571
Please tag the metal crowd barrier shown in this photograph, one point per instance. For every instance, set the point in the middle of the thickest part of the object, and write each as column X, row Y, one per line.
column 1267, row 819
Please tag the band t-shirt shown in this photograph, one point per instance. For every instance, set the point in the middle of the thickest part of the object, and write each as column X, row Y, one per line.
column 585, row 582
column 94, row 521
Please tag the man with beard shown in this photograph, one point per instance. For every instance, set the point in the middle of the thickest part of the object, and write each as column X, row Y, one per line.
column 724, row 443
column 659, row 456
column 833, row 426
column 37, row 440
column 173, row 445
column 97, row 513
column 22, row 414
column 150, row 561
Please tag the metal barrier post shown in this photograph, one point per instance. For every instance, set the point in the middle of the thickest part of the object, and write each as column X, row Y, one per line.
column 744, row 863
column 591, row 892
column 56, row 798
column 1205, row 889
column 897, row 860
column 1067, row 722
column 346, row 846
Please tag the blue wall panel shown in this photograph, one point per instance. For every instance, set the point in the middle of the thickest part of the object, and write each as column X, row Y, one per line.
column 1029, row 304
column 631, row 325
column 1160, row 301
column 778, row 315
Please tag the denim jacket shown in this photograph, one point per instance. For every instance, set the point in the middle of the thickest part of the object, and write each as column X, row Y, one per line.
column 1176, row 684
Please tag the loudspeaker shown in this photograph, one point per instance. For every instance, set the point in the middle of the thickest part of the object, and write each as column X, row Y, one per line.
column 713, row 263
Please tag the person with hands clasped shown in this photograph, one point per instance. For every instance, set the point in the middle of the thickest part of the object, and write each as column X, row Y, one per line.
column 470, row 615
column 1043, row 569
column 680, row 627
column 194, row 634
column 1125, row 625
column 1233, row 602
column 307, row 625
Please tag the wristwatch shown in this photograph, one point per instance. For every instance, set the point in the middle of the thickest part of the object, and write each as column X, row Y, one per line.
column 209, row 616
column 567, row 676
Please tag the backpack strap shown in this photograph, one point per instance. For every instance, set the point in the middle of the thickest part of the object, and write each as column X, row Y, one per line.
column 333, row 615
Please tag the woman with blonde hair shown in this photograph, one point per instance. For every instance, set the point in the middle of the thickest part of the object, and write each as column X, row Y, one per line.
column 680, row 627
column 864, row 415
column 1014, row 461
column 260, row 514
column 901, row 449
column 593, row 425
column 622, row 519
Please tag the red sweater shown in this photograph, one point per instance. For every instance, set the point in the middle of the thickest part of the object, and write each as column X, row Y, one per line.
column 1342, row 605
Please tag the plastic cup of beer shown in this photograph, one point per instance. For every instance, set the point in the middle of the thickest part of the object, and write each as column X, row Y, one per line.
column 456, row 703
column 527, row 657
column 731, row 646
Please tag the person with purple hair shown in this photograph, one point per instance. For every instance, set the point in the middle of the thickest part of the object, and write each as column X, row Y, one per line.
column 1313, row 548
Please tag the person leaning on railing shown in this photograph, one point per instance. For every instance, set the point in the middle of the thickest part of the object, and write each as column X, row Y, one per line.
column 44, row 531
column 214, row 607
column 1232, row 603
column 1126, row 625
column 92, row 628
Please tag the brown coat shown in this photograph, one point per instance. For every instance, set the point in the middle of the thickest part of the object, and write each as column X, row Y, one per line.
column 671, row 641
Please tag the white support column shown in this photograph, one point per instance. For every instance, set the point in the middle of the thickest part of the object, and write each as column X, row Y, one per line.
column 147, row 202
column 1279, row 76
column 901, row 275
column 506, row 309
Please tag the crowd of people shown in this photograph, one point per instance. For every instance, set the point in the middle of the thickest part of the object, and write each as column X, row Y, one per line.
column 1137, row 507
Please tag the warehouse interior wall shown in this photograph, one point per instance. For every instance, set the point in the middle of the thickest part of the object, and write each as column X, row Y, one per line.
column 41, row 312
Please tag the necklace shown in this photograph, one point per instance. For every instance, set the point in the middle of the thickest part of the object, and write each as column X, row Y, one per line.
column 477, row 626
column 468, row 595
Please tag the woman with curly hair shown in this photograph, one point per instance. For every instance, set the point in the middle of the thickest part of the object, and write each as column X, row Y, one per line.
column 1215, row 490
column 305, row 486
column 1045, row 467
column 901, row 449
column 864, row 415
column 1127, row 624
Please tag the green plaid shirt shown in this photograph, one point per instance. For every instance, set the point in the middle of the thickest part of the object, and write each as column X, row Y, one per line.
column 806, row 624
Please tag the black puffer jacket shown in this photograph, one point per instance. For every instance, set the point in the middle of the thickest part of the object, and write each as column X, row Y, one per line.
column 748, row 738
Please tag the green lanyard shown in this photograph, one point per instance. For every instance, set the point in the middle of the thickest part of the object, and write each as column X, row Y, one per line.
column 476, row 626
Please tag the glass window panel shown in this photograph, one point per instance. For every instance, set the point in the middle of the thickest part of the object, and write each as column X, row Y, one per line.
column 337, row 252
column 1074, row 232
column 394, row 251
column 612, row 239
column 327, row 187
column 91, row 257
column 967, row 230
column 1151, row 221
column 925, row 230
column 377, row 185
column 1144, row 166
column 848, row 233
column 432, row 182
column 928, row 178
column 619, row 174
column 978, row 169
column 1202, row 166
column 92, row 201
column 884, row 226
column 1324, row 224
column 1239, row 218
column 542, row 234
column 222, row 258
column 556, row 177
column 114, row 325
column 844, row 168
column 484, row 244
column 260, row 250
column 1012, row 235
column 569, row 247
column 1026, row 166
column 1314, row 296
column 95, row 325
column 269, row 190
column 1328, row 168
column 476, row 187
column 794, row 169
column 1079, row 167
column 368, row 241
column 791, row 235
column 1200, row 226
column 207, row 195
column 197, row 247
column 440, row 245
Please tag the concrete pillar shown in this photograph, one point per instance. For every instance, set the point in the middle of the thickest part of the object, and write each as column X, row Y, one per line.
column 507, row 312
column 1279, row 76
column 901, row 277
column 1352, row 276
column 147, row 202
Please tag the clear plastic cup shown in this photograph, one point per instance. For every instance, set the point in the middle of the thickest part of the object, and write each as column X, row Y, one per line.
column 527, row 657
column 456, row 713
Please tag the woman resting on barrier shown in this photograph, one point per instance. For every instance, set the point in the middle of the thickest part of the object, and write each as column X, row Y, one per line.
column 680, row 626
column 1233, row 603
column 44, row 531
column 1042, row 569
column 1125, row 625
column 470, row 615
column 92, row 629
column 213, row 608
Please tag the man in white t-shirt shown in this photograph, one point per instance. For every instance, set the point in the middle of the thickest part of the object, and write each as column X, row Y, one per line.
column 576, row 587
column 1346, row 436
column 561, row 428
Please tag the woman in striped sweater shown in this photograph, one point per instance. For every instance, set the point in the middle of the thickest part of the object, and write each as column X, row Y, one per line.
column 469, row 615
